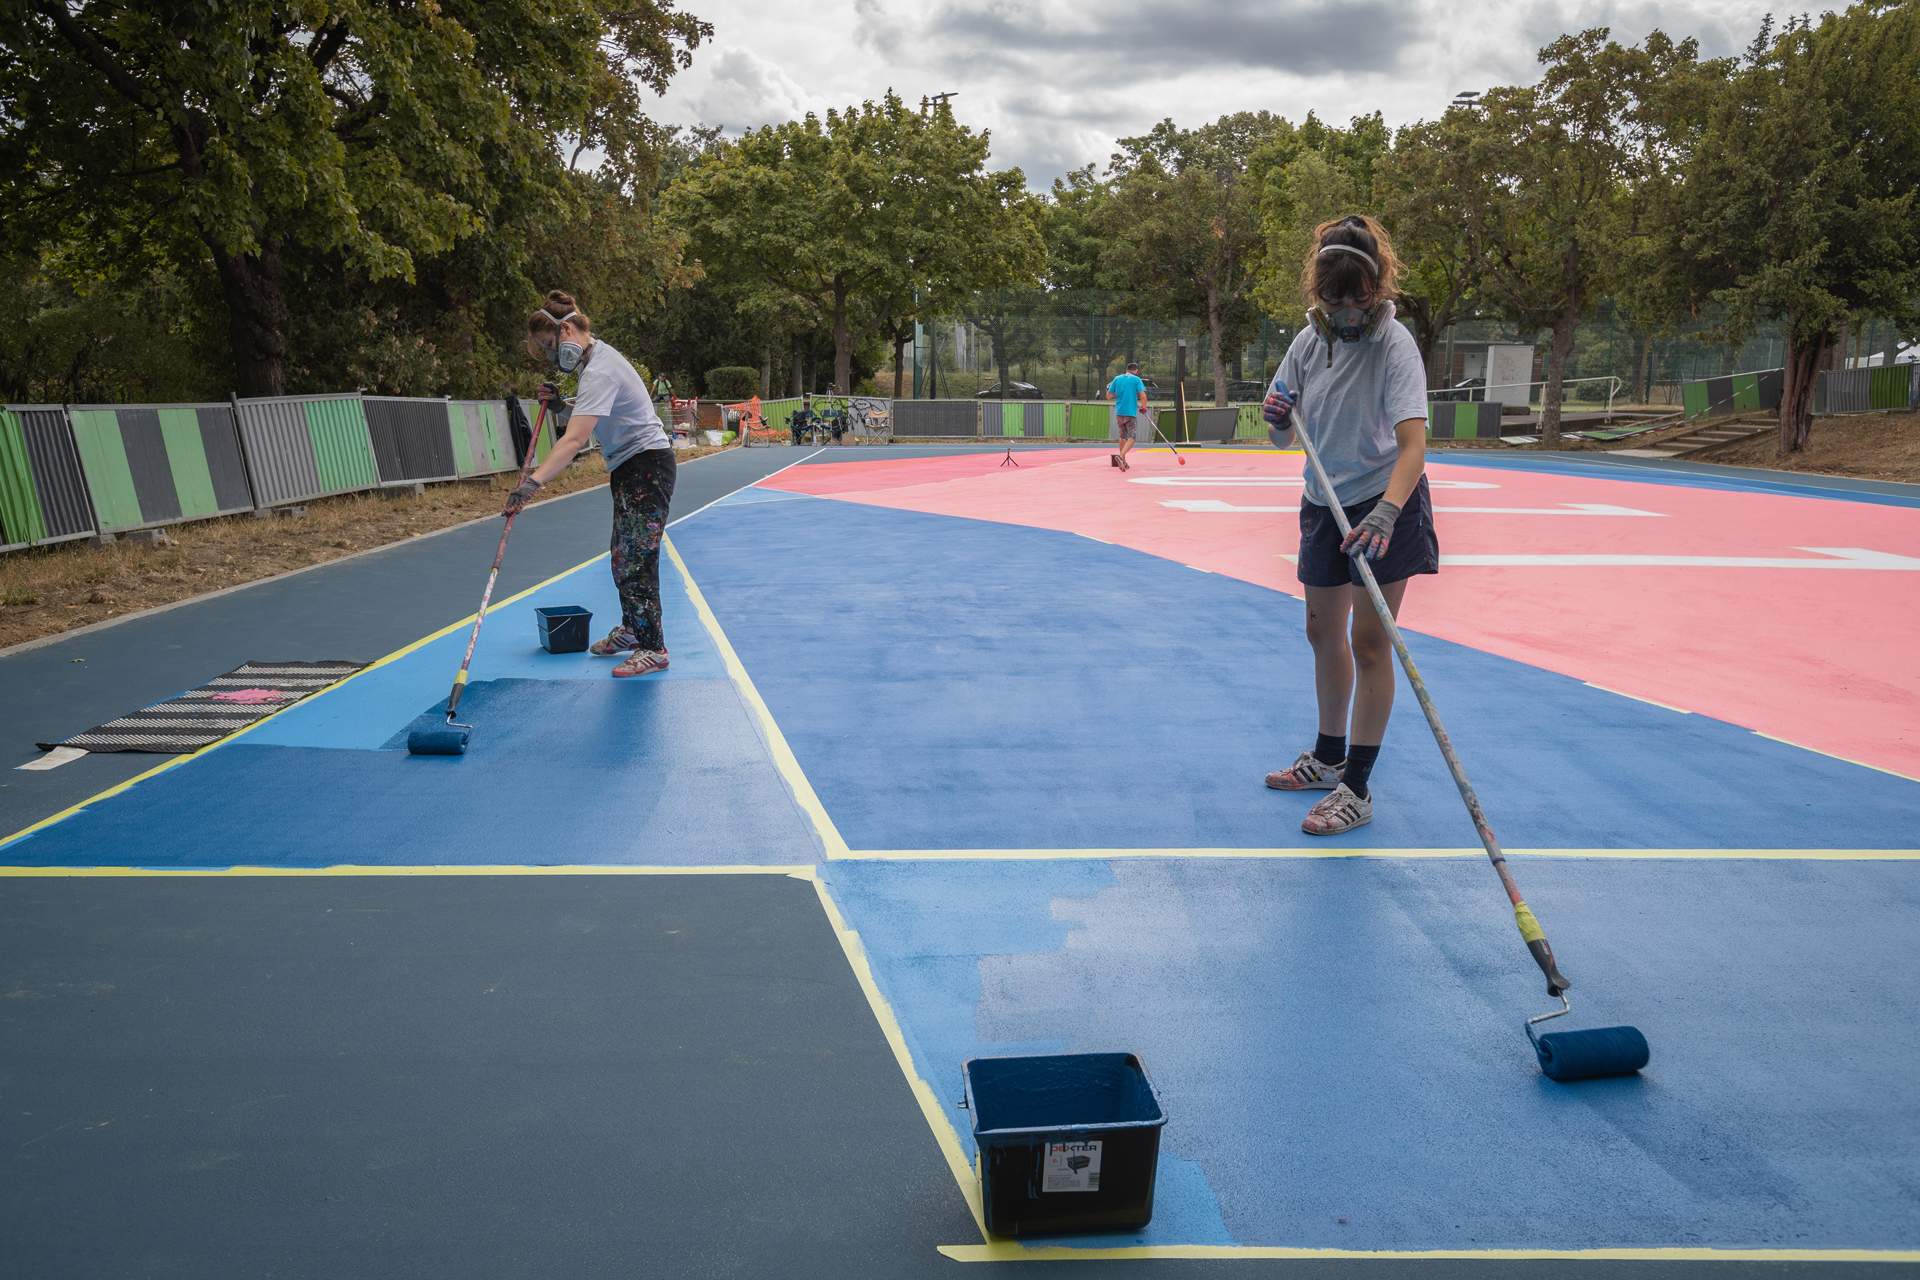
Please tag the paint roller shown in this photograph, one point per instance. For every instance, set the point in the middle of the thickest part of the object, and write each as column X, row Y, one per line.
column 1563, row 1055
column 451, row 739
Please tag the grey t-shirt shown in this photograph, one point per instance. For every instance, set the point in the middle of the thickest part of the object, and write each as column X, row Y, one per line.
column 1350, row 407
column 610, row 390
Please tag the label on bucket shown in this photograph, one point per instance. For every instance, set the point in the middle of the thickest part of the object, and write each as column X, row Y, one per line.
column 1071, row 1166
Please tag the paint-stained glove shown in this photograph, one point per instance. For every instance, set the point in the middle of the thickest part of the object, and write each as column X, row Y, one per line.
column 522, row 495
column 557, row 407
column 1370, row 537
column 1278, row 411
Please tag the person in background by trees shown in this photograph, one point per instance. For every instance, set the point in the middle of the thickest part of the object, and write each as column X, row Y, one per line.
column 612, row 404
column 1126, row 392
column 662, row 389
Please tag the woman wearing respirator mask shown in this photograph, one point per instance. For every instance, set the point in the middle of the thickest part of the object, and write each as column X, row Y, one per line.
column 612, row 403
column 1359, row 382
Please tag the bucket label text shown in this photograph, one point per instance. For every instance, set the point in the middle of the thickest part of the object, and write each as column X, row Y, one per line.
column 1072, row 1166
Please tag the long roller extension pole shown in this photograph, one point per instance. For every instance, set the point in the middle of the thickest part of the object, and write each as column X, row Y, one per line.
column 1523, row 916
column 493, row 576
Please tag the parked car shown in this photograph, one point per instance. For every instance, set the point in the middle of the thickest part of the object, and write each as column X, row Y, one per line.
column 1018, row 391
column 1471, row 389
column 1246, row 392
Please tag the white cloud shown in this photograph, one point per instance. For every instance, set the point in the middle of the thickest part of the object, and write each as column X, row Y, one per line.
column 1056, row 81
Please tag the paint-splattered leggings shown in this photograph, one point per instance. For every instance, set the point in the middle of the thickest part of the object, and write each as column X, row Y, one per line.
column 642, row 488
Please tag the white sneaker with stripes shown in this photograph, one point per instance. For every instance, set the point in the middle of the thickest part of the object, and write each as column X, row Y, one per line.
column 1341, row 811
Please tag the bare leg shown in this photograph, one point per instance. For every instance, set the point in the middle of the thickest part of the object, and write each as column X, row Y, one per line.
column 1373, row 664
column 1126, row 443
column 1338, row 653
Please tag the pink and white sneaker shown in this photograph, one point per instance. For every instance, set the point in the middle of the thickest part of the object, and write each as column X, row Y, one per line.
column 644, row 662
column 1307, row 774
column 1341, row 811
column 619, row 640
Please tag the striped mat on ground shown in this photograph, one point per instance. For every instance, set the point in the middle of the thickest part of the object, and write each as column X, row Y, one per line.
column 204, row 715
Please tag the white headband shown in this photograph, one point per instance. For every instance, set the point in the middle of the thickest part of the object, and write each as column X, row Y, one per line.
column 1347, row 248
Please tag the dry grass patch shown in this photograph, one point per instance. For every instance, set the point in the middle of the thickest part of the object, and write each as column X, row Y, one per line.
column 47, row 590
column 1866, row 446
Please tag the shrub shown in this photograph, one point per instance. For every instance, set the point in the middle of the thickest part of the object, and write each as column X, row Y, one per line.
column 731, row 382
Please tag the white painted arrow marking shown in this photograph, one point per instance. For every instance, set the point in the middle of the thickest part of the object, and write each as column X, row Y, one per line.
column 1846, row 558
column 1215, row 505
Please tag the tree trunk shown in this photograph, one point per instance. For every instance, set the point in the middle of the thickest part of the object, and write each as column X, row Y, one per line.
column 766, row 371
column 900, row 363
column 1564, row 330
column 1642, row 355
column 1217, row 330
column 1797, row 379
column 933, row 360
column 799, row 387
column 842, row 352
column 257, row 312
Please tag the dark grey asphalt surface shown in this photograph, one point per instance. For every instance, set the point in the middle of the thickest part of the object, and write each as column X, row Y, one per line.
column 466, row 1076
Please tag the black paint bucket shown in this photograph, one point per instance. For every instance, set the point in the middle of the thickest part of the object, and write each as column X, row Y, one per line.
column 563, row 629
column 1067, row 1143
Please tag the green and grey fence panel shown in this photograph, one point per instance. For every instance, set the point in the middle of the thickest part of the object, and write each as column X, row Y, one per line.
column 43, row 487
column 302, row 447
column 151, row 465
column 412, row 439
column 1735, row 393
column 1250, row 425
column 940, row 418
column 1033, row 419
column 779, row 413
column 1889, row 387
column 1091, row 422
column 1054, row 419
column 1218, row 423
column 1463, row 419
column 1844, row 391
column 481, row 444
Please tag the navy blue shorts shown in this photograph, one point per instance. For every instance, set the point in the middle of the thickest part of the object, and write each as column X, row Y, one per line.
column 1413, row 549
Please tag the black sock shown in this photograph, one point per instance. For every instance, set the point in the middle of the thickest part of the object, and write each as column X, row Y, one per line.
column 1359, row 764
column 1330, row 750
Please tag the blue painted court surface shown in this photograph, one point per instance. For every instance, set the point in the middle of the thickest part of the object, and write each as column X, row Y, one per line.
column 1026, row 766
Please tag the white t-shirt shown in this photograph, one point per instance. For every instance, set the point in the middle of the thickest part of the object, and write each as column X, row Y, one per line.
column 610, row 390
column 1351, row 406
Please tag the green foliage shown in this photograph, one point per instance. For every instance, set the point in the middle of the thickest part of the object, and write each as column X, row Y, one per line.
column 1190, row 237
column 732, row 382
column 290, row 146
column 856, row 221
column 1422, row 187
column 1800, row 197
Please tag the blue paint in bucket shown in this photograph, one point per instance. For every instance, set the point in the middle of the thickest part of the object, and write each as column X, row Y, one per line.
column 1068, row 1142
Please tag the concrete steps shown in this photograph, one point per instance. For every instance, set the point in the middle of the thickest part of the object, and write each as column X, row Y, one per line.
column 1701, row 438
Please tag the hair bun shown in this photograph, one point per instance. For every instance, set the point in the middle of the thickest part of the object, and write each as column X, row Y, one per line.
column 560, row 302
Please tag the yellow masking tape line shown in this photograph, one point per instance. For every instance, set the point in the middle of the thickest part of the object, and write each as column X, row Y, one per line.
column 350, row 869
column 1063, row 855
column 1637, row 698
column 783, row 757
column 1009, row 1251
column 936, row 1115
column 375, row 665
column 1529, row 927
column 1844, row 759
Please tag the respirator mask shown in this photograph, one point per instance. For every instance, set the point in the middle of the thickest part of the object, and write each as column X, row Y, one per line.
column 1344, row 319
column 567, row 355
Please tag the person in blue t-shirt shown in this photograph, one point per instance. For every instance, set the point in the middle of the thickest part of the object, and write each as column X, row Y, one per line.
column 1127, row 392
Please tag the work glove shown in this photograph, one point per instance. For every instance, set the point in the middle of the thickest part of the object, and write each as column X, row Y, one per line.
column 557, row 407
column 522, row 495
column 1278, row 411
column 1369, row 538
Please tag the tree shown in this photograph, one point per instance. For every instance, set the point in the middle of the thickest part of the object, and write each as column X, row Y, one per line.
column 373, row 136
column 1550, row 167
column 1801, row 194
column 1081, row 281
column 1185, row 224
column 856, row 212
column 1420, row 187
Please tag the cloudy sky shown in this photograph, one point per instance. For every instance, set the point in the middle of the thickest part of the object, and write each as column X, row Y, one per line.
column 1057, row 82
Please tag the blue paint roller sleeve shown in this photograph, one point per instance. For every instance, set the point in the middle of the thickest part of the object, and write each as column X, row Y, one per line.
column 444, row 741
column 1587, row 1055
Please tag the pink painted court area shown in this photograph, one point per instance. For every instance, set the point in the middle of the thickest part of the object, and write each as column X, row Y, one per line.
column 1786, row 614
